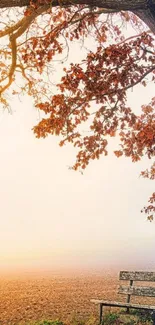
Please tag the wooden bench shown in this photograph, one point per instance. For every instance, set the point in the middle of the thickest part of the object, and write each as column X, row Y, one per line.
column 131, row 290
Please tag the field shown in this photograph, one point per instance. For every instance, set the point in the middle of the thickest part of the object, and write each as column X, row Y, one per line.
column 33, row 299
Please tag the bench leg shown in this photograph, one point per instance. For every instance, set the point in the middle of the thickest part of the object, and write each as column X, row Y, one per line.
column 101, row 313
column 153, row 317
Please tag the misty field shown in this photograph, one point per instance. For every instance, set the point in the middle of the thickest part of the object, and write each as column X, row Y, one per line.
column 65, row 298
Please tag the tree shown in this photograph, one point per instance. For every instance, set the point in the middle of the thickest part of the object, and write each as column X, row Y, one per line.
column 39, row 30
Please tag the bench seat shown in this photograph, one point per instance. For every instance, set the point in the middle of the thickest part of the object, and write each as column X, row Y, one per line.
column 131, row 290
column 122, row 304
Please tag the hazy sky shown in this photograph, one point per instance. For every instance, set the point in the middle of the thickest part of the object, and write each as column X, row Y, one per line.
column 52, row 217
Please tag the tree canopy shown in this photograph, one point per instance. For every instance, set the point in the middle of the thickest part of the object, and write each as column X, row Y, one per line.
column 35, row 33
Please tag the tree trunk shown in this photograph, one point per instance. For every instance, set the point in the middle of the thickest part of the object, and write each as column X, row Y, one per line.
column 144, row 9
column 148, row 16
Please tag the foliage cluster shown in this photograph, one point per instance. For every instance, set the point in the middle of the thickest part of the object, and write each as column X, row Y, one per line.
column 92, row 92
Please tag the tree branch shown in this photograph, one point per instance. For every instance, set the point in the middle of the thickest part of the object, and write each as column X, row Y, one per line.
column 108, row 4
column 12, row 67
column 144, row 9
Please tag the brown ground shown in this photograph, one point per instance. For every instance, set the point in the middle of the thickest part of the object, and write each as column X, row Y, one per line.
column 37, row 298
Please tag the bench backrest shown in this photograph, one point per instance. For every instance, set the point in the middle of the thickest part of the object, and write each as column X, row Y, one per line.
column 136, row 290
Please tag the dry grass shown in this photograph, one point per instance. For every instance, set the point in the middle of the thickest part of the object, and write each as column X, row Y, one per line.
column 24, row 300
